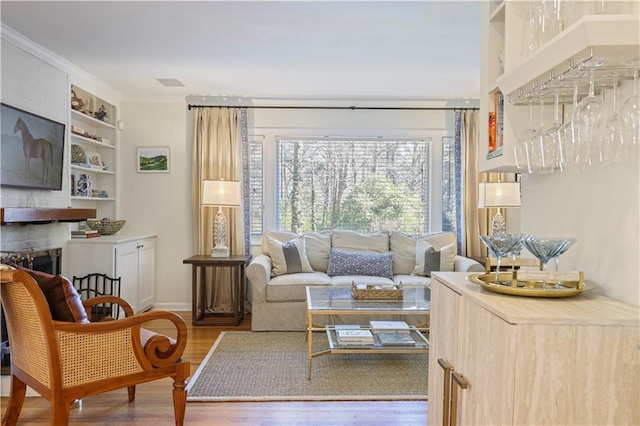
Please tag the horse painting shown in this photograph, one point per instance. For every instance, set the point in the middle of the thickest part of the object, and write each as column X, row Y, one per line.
column 35, row 148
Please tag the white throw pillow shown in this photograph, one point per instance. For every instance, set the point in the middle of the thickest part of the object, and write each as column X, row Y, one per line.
column 289, row 257
column 429, row 259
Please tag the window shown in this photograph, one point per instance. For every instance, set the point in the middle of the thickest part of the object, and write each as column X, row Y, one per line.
column 358, row 184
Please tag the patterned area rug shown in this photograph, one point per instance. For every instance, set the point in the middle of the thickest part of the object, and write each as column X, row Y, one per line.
column 272, row 366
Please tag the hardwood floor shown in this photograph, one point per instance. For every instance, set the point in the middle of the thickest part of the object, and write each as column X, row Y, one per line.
column 153, row 403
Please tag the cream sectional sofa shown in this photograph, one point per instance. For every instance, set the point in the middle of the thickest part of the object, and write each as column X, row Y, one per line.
column 290, row 262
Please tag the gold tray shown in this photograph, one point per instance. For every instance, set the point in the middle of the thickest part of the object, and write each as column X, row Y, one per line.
column 529, row 288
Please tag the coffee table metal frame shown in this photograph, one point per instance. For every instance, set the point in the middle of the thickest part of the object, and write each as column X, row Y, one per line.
column 337, row 301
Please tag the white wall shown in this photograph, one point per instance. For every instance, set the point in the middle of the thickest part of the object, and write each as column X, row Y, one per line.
column 600, row 208
column 160, row 202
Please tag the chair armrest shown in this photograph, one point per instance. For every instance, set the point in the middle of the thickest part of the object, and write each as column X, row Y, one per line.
column 126, row 307
column 465, row 264
column 159, row 351
column 259, row 274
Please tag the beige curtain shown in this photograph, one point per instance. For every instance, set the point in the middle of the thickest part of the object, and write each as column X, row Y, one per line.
column 216, row 155
column 473, row 216
column 478, row 221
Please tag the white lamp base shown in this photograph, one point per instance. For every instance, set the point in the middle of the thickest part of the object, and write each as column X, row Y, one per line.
column 498, row 224
column 220, row 252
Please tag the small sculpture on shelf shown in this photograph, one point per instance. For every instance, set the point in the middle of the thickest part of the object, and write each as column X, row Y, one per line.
column 102, row 114
column 76, row 103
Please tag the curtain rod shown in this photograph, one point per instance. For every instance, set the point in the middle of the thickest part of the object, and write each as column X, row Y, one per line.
column 337, row 107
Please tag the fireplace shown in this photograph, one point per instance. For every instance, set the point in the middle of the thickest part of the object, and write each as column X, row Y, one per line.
column 44, row 261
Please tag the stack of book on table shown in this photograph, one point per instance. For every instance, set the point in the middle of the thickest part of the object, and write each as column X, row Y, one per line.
column 354, row 337
column 89, row 233
column 392, row 333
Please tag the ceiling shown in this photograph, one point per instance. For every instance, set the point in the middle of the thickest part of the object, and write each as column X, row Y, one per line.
column 394, row 50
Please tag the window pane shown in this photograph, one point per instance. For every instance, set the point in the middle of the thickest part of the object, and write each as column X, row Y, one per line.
column 256, row 184
column 361, row 185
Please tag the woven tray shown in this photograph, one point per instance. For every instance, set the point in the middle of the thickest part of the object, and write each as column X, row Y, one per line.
column 373, row 292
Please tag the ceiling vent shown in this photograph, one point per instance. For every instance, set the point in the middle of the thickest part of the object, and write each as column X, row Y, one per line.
column 170, row 82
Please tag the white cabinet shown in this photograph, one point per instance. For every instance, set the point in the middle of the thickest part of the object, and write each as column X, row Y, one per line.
column 130, row 257
column 93, row 152
column 526, row 77
column 520, row 360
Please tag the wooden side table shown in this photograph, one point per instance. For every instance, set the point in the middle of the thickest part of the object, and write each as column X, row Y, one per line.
column 199, row 287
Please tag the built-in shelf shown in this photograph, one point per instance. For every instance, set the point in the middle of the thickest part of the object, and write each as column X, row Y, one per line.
column 25, row 215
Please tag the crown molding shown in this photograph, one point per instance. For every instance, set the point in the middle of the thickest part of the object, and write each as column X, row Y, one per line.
column 17, row 39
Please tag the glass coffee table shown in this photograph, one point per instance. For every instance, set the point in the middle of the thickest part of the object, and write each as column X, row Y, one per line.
column 338, row 300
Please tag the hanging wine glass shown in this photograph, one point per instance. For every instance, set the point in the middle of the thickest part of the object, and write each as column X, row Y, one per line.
column 520, row 148
column 629, row 116
column 550, row 142
column 568, row 148
column 612, row 143
column 588, row 123
column 536, row 161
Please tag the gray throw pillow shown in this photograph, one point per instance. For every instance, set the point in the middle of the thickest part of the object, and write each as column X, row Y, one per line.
column 428, row 259
column 343, row 262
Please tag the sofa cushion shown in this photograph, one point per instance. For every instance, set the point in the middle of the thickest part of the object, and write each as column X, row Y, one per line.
column 344, row 262
column 429, row 259
column 292, row 287
column 403, row 247
column 63, row 299
column 440, row 239
column 289, row 257
column 281, row 236
column 318, row 245
column 375, row 242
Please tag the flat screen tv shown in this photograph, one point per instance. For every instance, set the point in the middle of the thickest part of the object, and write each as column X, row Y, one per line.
column 31, row 150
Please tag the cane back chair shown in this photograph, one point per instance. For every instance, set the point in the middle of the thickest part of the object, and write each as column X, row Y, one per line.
column 67, row 361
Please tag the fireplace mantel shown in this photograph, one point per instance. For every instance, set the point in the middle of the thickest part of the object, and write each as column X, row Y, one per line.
column 26, row 215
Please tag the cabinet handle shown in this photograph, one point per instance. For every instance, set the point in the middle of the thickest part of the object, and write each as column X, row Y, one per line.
column 463, row 384
column 448, row 368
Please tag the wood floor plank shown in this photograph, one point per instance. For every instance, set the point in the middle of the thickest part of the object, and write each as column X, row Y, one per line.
column 153, row 403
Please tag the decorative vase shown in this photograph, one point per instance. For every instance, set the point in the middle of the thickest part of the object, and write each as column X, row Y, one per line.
column 84, row 186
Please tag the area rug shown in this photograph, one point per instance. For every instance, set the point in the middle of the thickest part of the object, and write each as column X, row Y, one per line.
column 272, row 366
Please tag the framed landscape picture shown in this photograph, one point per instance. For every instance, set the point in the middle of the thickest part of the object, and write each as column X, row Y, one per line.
column 153, row 160
column 31, row 149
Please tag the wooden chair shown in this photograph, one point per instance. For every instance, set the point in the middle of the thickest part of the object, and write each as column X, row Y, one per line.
column 66, row 361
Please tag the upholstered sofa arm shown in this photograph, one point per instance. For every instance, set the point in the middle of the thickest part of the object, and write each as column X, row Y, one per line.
column 259, row 274
column 465, row 264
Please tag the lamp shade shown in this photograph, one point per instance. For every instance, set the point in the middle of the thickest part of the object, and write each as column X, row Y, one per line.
column 221, row 193
column 499, row 194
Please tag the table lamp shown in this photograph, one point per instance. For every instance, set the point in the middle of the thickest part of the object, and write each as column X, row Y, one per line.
column 221, row 193
column 499, row 195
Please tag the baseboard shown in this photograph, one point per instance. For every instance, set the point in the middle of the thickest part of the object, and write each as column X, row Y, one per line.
column 173, row 307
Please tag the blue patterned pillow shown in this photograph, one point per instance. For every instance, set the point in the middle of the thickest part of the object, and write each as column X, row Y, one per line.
column 343, row 262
